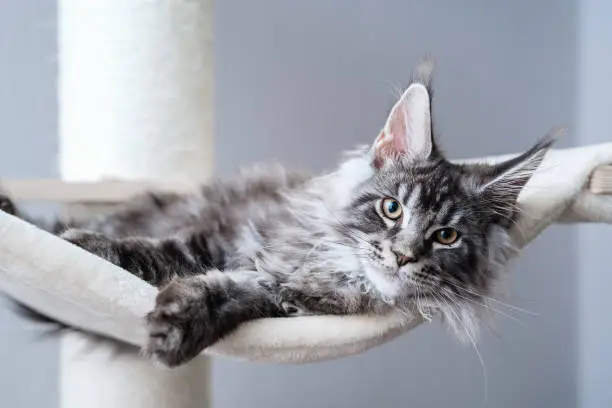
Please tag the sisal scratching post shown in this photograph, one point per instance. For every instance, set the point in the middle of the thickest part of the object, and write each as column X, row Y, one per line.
column 135, row 103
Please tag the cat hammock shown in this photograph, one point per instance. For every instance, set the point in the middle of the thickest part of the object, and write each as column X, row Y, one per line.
column 91, row 294
column 135, row 103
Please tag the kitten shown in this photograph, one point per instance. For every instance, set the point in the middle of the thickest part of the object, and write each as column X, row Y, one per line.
column 395, row 225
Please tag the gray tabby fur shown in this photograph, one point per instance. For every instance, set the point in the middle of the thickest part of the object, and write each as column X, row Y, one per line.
column 274, row 243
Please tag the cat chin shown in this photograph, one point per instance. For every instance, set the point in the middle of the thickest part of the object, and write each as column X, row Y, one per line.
column 389, row 285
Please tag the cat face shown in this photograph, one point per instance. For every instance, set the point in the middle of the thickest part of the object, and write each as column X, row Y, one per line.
column 426, row 229
column 422, row 227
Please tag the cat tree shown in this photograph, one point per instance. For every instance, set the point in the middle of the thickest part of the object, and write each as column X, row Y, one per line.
column 136, row 112
column 135, row 103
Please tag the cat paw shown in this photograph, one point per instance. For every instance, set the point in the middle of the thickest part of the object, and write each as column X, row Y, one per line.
column 177, row 327
column 6, row 204
column 292, row 309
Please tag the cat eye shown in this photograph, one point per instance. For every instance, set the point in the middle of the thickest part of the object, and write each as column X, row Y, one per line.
column 446, row 236
column 391, row 208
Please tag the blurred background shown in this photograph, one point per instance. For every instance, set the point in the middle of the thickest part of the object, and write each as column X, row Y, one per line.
column 294, row 76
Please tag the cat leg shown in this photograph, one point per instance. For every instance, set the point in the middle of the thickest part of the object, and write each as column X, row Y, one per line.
column 193, row 313
column 156, row 261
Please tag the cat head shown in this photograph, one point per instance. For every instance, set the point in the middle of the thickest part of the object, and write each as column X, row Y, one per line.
column 429, row 231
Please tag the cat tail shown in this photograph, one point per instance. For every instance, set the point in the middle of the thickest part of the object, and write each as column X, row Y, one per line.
column 55, row 227
column 51, row 328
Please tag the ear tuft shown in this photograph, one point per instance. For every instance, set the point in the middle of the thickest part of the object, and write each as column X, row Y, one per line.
column 502, row 183
column 514, row 174
column 423, row 73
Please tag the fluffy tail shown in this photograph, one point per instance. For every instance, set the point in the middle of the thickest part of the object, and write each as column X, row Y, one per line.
column 56, row 226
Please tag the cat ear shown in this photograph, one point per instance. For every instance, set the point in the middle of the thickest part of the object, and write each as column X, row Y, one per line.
column 408, row 130
column 502, row 183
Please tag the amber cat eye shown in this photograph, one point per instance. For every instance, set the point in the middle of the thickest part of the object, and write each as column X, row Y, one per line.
column 446, row 236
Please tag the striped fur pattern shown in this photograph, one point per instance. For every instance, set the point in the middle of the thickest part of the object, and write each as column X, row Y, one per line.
column 395, row 225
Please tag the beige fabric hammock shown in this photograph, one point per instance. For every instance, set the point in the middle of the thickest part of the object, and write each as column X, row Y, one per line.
column 84, row 291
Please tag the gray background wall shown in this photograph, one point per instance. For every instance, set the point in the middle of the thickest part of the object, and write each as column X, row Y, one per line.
column 27, row 139
column 295, row 76
column 594, row 123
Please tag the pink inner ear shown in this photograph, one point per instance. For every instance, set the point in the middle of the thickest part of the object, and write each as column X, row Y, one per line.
column 388, row 147
column 398, row 127
column 392, row 141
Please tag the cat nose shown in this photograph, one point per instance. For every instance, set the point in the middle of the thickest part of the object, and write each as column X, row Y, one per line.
column 403, row 259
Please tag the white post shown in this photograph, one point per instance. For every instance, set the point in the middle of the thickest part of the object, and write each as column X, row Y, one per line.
column 135, row 102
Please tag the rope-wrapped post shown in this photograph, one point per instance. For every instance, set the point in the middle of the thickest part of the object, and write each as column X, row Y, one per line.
column 135, row 103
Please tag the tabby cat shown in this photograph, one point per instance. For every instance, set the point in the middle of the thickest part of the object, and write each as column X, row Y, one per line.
column 394, row 226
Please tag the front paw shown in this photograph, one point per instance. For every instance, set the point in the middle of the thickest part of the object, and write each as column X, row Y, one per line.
column 6, row 204
column 179, row 325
